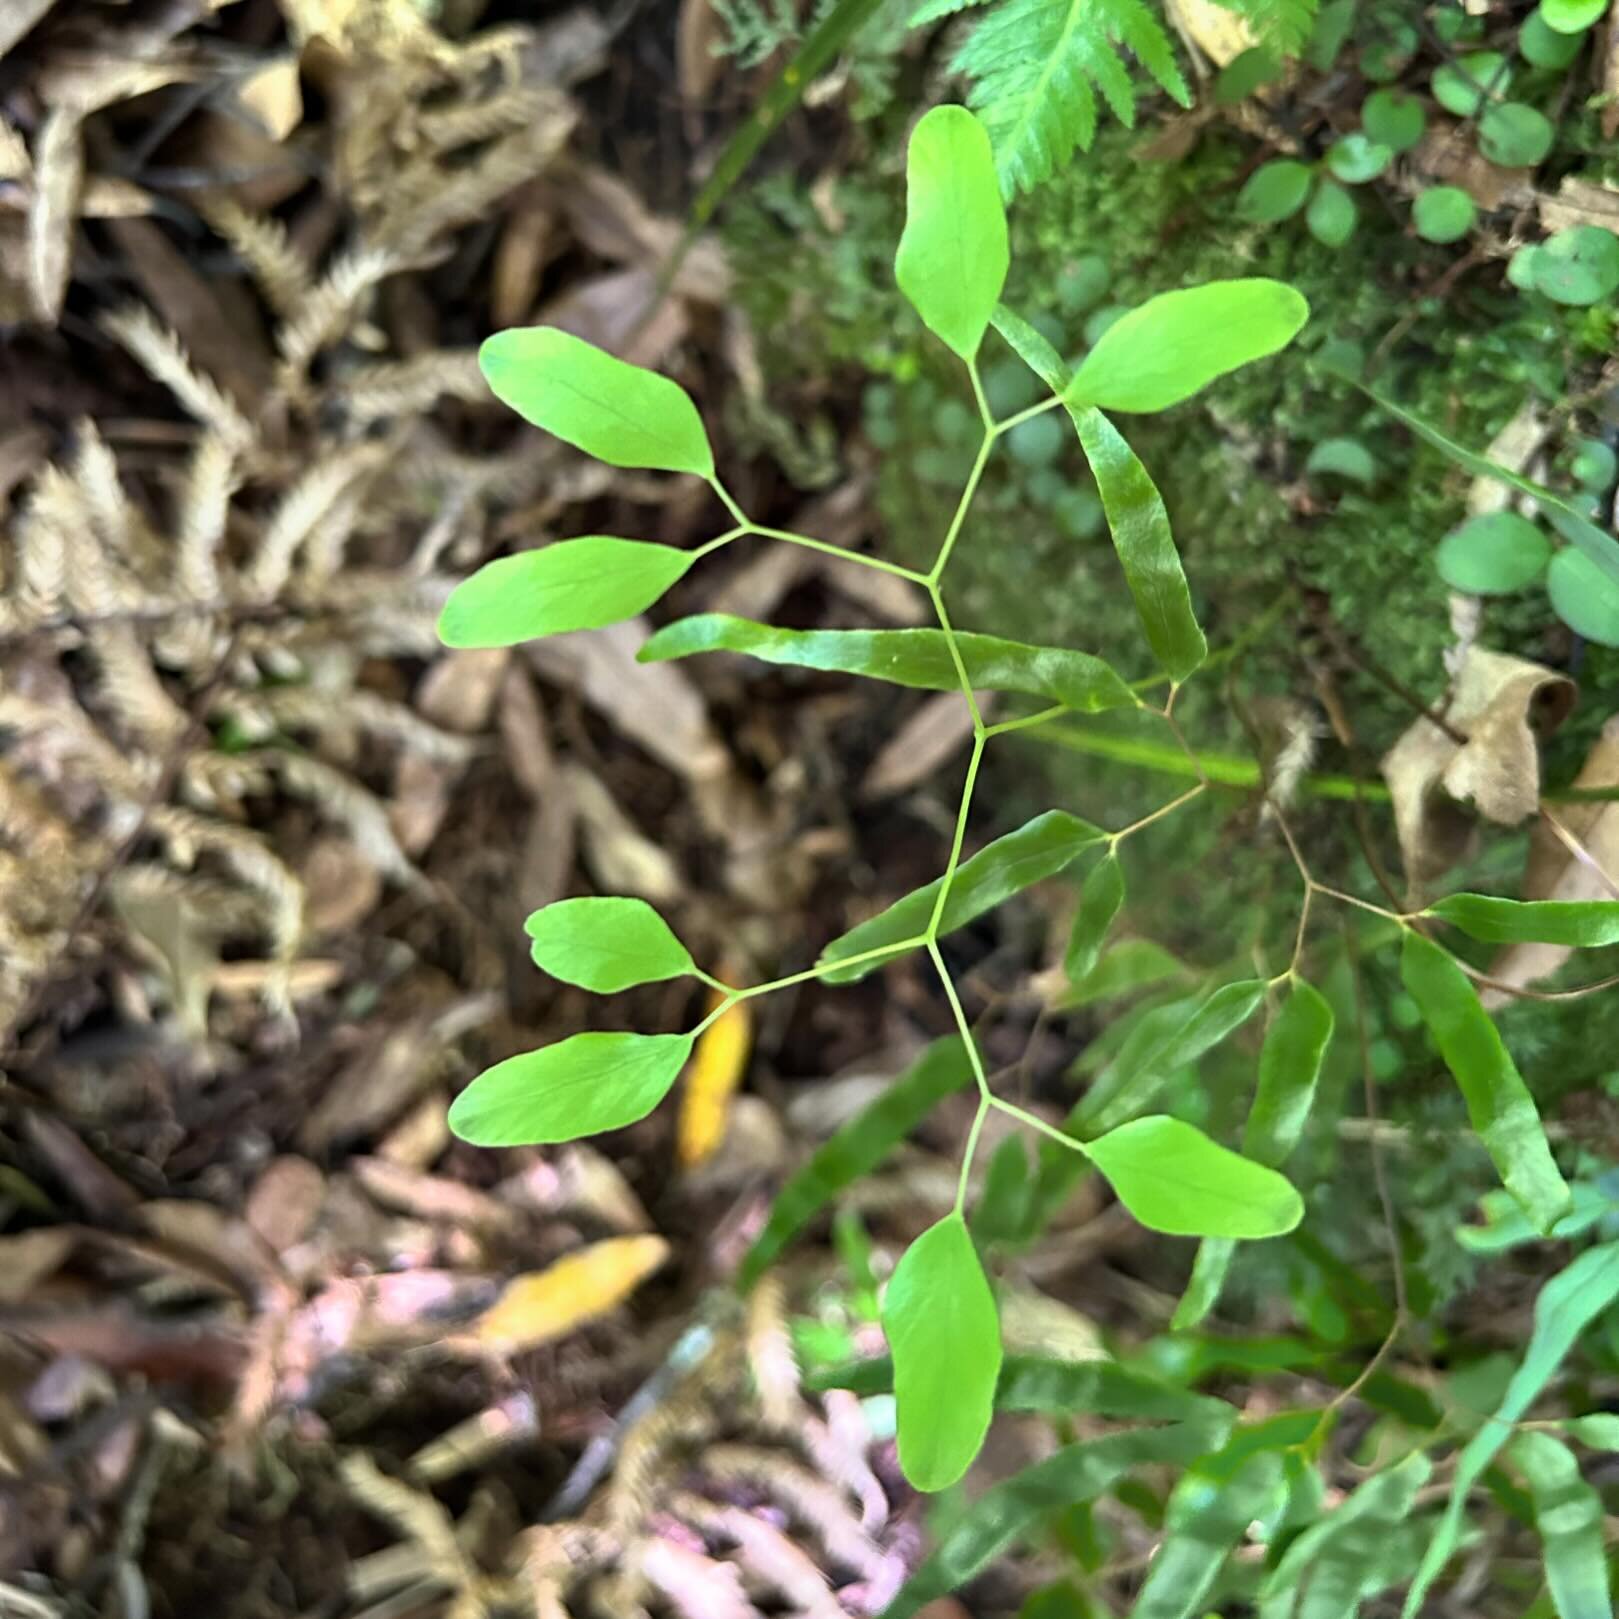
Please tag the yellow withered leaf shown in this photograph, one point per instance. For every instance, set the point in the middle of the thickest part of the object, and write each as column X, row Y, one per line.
column 550, row 1303
column 711, row 1081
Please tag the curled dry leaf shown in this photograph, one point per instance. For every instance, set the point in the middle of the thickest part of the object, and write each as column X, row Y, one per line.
column 1502, row 705
column 715, row 1071
column 1218, row 31
column 550, row 1303
column 1556, row 872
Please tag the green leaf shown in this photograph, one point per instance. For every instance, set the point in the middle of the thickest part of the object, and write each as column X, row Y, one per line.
column 1204, row 1285
column 1038, row 849
column 606, row 945
column 1173, row 1178
column 1357, row 158
column 580, row 1086
column 1515, row 136
column 1571, row 16
column 1332, row 1558
column 1001, row 1213
column 1289, row 1066
column 1157, row 1048
column 1102, row 1388
column 1443, row 214
column 1274, row 191
column 1075, row 1474
column 1580, row 924
column 1394, row 118
column 1572, row 524
column 1493, row 554
column 1099, row 903
column 619, row 413
column 1460, row 86
column 1577, row 266
column 953, row 254
column 1568, row 1514
column 1343, row 457
column 1498, row 1102
column 1331, row 220
column 1206, row 1519
column 1594, row 464
column 1146, row 548
column 857, row 1149
column 1245, row 73
column 1567, row 1305
column 918, row 658
column 572, row 585
column 1036, row 66
column 1600, row 1431
column 1584, row 596
column 1542, row 46
column 1176, row 344
column 1130, row 965
column 1032, row 347
column 945, row 1337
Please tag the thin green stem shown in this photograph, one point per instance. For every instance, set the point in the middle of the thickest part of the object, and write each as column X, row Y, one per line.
column 1035, row 1122
column 1026, row 415
column 956, row 842
column 985, row 414
column 1006, row 727
column 984, row 1104
column 1157, row 814
column 738, row 516
column 959, row 516
column 936, row 596
column 715, row 1013
column 720, row 540
column 840, row 551
column 822, row 968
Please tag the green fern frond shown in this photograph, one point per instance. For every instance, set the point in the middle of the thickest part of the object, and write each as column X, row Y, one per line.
column 1285, row 24
column 1036, row 66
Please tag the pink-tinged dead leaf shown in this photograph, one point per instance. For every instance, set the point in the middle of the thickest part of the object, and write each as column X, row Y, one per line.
column 577, row 1289
column 766, row 1554
column 1502, row 705
column 1554, row 871
column 115, row 1337
column 697, row 1587
column 285, row 1202
column 67, row 1388
column 838, row 1448
column 934, row 734
column 430, row 1197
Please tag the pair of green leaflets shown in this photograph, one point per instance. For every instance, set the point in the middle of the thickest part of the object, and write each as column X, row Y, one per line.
column 939, row 1311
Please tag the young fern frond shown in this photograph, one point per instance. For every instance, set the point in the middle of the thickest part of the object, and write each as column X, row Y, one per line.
column 1036, row 67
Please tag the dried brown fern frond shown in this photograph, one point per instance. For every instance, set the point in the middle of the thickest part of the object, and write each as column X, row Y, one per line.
column 162, row 354
column 280, row 271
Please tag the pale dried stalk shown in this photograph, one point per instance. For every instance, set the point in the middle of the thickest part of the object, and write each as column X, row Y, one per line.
column 53, row 207
column 165, row 359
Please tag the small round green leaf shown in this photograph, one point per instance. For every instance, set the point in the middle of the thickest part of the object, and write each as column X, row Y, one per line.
column 1443, row 214
column 1385, row 58
column 1570, row 16
column 1595, row 465
column 606, row 944
column 1174, row 1179
column 1331, row 217
column 942, row 1328
column 1174, row 345
column 619, row 413
column 1515, row 136
column 572, row 585
column 1493, row 554
column 1460, row 86
column 1394, row 118
column 1542, row 46
column 1577, row 266
column 1584, row 597
column 1245, row 73
column 953, row 253
column 1357, row 158
column 1343, row 458
column 1274, row 191
column 578, row 1087
column 1289, row 1066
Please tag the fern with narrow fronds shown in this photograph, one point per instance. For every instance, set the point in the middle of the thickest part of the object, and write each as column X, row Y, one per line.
column 1285, row 25
column 1036, row 67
